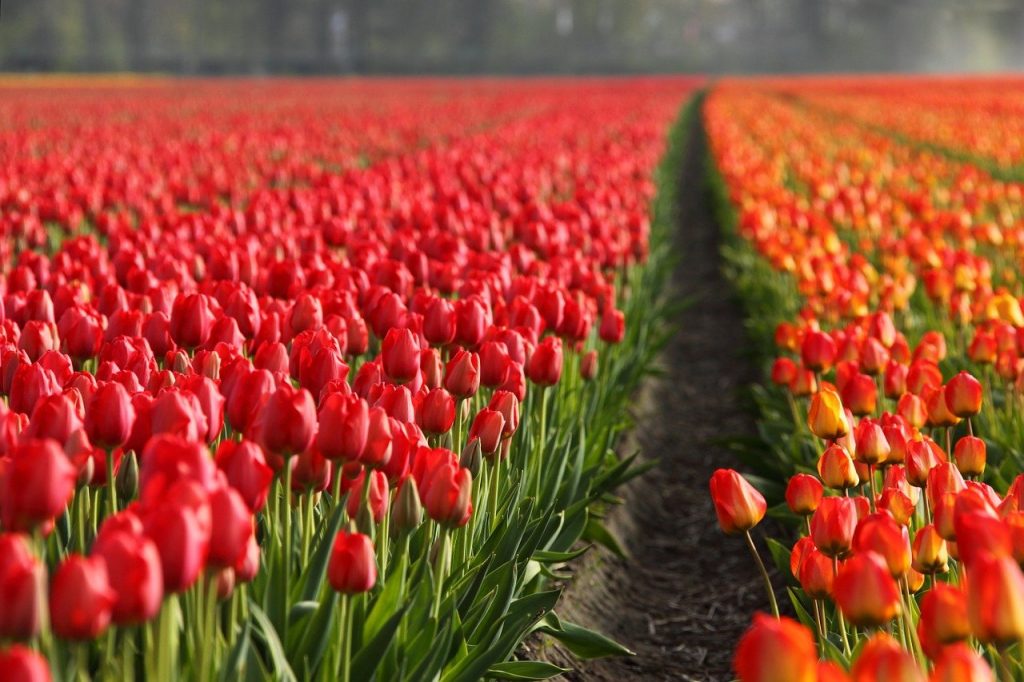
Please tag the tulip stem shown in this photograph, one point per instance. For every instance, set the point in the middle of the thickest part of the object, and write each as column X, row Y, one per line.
column 444, row 550
column 1005, row 671
column 839, row 614
column 346, row 638
column 287, row 555
column 111, row 483
column 764, row 573
column 871, row 480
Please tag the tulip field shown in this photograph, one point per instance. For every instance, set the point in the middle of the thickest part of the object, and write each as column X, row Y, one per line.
column 316, row 379
column 328, row 379
column 876, row 227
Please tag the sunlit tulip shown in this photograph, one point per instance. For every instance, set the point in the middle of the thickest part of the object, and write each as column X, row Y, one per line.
column 81, row 600
column 943, row 618
column 21, row 578
column 882, row 658
column 776, row 650
column 836, row 468
column 352, row 568
column 960, row 663
column 826, row 418
column 738, row 505
column 833, row 525
column 995, row 600
column 21, row 664
column 803, row 494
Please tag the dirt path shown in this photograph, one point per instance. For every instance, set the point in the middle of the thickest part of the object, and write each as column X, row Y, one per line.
column 688, row 591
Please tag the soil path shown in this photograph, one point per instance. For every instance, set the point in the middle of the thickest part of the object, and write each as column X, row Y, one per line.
column 688, row 591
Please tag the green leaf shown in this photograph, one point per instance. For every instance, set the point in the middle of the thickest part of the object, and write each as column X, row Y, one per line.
column 373, row 649
column 595, row 531
column 524, row 670
column 316, row 569
column 234, row 664
column 584, row 643
column 548, row 557
column 780, row 554
column 264, row 628
column 386, row 603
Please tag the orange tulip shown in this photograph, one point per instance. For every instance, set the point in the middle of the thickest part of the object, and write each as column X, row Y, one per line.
column 803, row 494
column 995, row 600
column 963, row 395
column 776, row 650
column 826, row 417
column 833, row 525
column 872, row 445
column 882, row 658
column 943, row 618
column 837, row 469
column 969, row 455
column 881, row 534
column 865, row 591
column 738, row 504
column 931, row 554
column 960, row 663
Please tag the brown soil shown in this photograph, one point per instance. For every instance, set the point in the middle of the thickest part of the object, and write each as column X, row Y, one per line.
column 687, row 592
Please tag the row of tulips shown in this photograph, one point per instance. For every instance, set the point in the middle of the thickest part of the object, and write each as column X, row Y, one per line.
column 881, row 276
column 318, row 422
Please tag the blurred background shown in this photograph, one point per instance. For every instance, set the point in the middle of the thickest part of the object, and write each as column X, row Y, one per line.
column 510, row 36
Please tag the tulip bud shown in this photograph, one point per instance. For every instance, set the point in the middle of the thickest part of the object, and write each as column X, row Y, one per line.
column 21, row 578
column 462, row 375
column 995, row 600
column 803, row 494
column 352, row 568
column 487, row 428
column 21, row 664
column 882, row 658
column 833, row 524
column 738, row 505
column 508, row 405
column 127, row 479
column 407, row 512
column 836, row 468
column 970, row 456
column 80, row 598
column 826, row 417
column 776, row 650
column 471, row 456
column 963, row 395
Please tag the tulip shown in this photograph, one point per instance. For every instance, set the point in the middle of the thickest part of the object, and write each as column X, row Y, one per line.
column 995, row 600
column 352, row 568
column 969, row 455
column 134, row 574
column 738, row 505
column 776, row 650
column 487, row 428
column 407, row 512
column 836, row 468
column 286, row 423
column 232, row 527
column 859, row 395
column 20, row 664
column 379, row 439
column 803, row 494
column 826, row 418
column 922, row 457
column 881, row 534
column 192, row 318
column 818, row 351
column 36, row 484
column 462, row 375
column 246, row 471
column 181, row 533
column 882, row 658
column 783, row 371
column 960, row 663
column 943, row 618
column 344, row 422
column 865, row 591
column 816, row 574
column 833, row 525
column 109, row 416
column 613, row 326
column 898, row 505
column 588, row 366
column 21, row 575
column 963, row 395
column 400, row 355
column 544, row 367
column 803, row 384
column 446, row 493
column 930, row 552
column 81, row 600
column 831, row 672
column 872, row 446
column 435, row 412
column 378, row 496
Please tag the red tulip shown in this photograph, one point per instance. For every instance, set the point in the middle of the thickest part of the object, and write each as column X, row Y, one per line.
column 36, row 484
column 963, row 395
column 192, row 318
column 960, row 663
column 286, row 422
column 180, row 528
column 232, row 527
column 378, row 495
column 882, row 658
column 134, row 574
column 445, row 488
column 970, row 456
column 487, row 427
column 803, row 494
column 109, row 416
column 436, row 412
column 818, row 351
column 352, row 568
column 544, row 367
column 462, row 374
column 378, row 439
column 21, row 577
column 943, row 618
column 995, row 600
column 344, row 422
column 613, row 326
column 20, row 664
column 588, row 366
column 400, row 355
column 833, row 525
column 81, row 600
